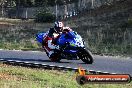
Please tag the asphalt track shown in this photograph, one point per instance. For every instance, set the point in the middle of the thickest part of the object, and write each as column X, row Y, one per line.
column 101, row 63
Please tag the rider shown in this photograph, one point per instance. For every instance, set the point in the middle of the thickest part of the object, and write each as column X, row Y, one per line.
column 53, row 33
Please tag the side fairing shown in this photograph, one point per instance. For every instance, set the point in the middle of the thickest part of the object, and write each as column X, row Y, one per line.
column 40, row 36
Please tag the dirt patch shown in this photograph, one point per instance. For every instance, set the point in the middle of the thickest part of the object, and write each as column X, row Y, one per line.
column 4, row 65
column 5, row 76
column 6, row 23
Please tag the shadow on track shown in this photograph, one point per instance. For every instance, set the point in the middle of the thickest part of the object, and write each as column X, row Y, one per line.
column 63, row 62
column 84, row 63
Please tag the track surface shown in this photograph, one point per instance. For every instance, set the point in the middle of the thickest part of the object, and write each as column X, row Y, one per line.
column 101, row 63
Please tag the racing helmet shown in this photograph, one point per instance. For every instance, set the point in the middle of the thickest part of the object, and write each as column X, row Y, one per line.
column 58, row 26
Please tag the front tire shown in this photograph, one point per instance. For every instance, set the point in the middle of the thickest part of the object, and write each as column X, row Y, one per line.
column 86, row 56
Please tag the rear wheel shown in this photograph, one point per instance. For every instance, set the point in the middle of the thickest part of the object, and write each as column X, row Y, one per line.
column 85, row 56
column 55, row 57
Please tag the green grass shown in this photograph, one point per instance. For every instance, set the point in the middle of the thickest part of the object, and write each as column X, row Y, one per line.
column 18, row 34
column 21, row 77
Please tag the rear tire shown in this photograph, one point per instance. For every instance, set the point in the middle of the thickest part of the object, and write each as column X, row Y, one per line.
column 55, row 57
column 86, row 56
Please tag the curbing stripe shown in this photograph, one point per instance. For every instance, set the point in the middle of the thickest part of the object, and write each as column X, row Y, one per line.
column 105, row 73
column 68, row 68
column 44, row 65
column 60, row 67
column 75, row 69
column 26, row 62
column 36, row 63
column 51, row 66
column 98, row 72
column 92, row 71
column 18, row 61
column 29, row 64
column 113, row 73
column 2, row 60
column 10, row 60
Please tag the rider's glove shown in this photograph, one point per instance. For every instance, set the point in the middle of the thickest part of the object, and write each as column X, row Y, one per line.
column 57, row 47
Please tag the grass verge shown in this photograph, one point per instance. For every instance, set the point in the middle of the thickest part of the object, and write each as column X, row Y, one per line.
column 15, row 76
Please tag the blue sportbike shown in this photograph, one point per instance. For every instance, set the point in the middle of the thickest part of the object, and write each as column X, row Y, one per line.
column 71, row 47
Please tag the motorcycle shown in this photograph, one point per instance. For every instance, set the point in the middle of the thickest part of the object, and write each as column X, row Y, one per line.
column 72, row 47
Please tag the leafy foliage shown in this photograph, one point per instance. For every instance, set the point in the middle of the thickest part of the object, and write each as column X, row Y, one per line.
column 38, row 3
column 45, row 17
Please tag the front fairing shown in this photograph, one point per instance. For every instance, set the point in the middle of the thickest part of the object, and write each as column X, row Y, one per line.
column 71, row 37
column 74, row 42
column 77, row 40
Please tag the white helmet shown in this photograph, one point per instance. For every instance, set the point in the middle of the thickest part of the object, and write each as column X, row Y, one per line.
column 58, row 26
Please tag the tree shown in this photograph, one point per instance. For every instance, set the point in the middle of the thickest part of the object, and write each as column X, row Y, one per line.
column 3, row 4
column 24, row 3
column 44, row 16
column 40, row 3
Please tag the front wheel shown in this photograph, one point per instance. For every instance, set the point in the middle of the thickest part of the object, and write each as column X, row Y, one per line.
column 85, row 56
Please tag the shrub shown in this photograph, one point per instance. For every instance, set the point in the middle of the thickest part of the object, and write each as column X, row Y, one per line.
column 44, row 17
